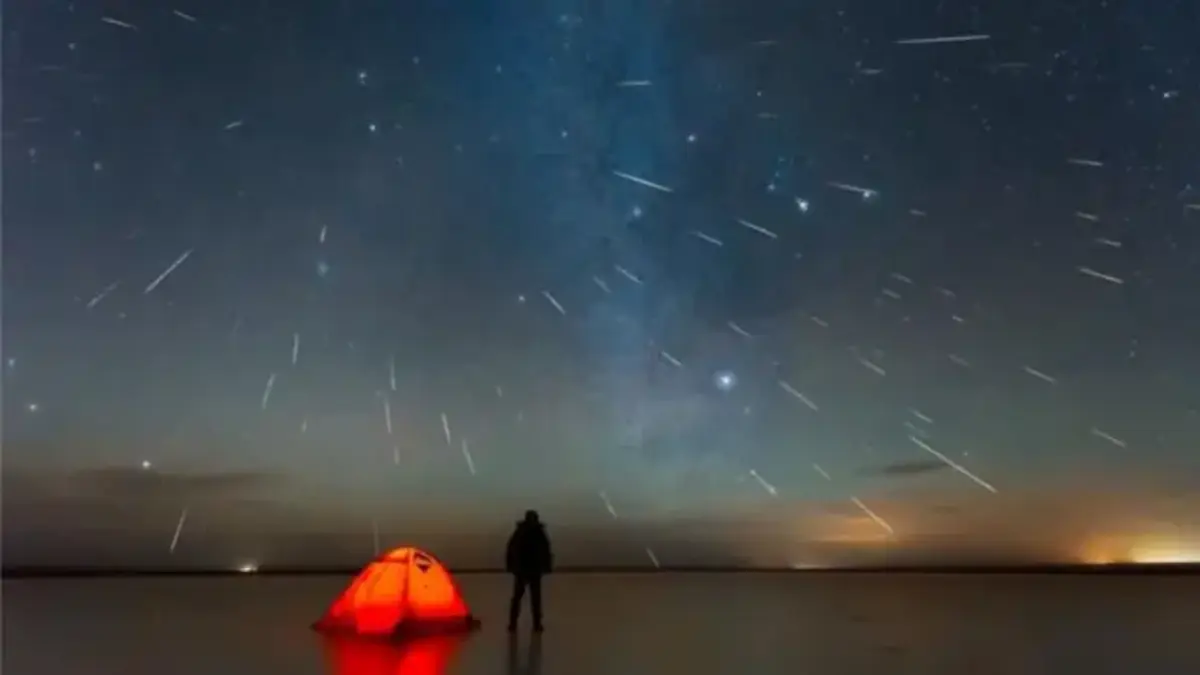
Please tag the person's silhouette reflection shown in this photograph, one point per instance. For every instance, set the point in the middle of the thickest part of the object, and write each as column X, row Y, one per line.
column 533, row 656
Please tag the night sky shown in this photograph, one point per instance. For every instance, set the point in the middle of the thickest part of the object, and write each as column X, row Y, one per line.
column 765, row 282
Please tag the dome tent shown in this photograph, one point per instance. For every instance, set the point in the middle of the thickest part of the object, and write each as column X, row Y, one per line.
column 403, row 592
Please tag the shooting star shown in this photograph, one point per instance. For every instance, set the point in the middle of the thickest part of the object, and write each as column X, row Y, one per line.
column 1108, row 437
column 1039, row 375
column 608, row 504
column 178, row 529
column 1101, row 276
column 446, row 429
column 628, row 275
column 266, row 397
column 642, row 181
column 167, row 272
column 764, row 484
column 757, row 228
column 96, row 299
column 635, row 83
column 670, row 359
column 184, row 15
column 952, row 464
column 324, row 232
column 117, row 22
column 653, row 558
column 295, row 348
column 873, row 367
column 801, row 397
column 1077, row 161
column 707, row 237
column 603, row 286
column 554, row 301
column 879, row 521
column 865, row 193
column 387, row 414
column 921, row 416
column 943, row 40
column 821, row 471
column 739, row 330
column 466, row 451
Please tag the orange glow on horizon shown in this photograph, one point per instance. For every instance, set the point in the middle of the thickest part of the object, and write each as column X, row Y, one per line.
column 1139, row 550
column 1165, row 555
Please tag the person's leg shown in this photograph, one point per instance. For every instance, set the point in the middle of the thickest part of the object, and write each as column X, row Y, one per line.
column 514, row 605
column 535, row 601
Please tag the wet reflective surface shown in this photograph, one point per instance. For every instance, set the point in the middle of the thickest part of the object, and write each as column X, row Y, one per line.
column 623, row 624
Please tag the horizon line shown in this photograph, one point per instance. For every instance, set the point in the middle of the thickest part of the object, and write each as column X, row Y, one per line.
column 61, row 571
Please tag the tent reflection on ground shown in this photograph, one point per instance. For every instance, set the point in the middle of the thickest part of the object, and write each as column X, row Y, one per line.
column 424, row 656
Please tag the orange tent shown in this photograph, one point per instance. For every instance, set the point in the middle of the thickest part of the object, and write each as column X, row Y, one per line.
column 403, row 592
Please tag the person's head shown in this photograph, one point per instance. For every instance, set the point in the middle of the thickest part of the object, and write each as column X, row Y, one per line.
column 531, row 516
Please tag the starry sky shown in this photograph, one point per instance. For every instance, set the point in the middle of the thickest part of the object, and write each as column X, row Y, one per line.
column 759, row 283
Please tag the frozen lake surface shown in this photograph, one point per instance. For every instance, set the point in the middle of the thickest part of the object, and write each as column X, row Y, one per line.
column 626, row 624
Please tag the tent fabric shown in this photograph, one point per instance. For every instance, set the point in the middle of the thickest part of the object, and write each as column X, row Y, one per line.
column 404, row 589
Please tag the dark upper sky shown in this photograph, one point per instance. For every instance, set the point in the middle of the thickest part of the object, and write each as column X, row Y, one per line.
column 741, row 279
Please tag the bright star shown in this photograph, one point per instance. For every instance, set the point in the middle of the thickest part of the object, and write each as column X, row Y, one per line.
column 725, row 380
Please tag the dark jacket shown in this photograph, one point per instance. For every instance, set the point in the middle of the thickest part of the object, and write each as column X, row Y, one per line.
column 528, row 554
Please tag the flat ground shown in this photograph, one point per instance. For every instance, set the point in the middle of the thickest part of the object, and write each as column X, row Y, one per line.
column 764, row 624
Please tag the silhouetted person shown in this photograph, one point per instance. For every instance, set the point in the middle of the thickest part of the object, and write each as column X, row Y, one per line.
column 528, row 558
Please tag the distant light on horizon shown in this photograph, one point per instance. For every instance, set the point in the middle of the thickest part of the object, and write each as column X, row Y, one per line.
column 249, row 567
column 1158, row 551
column 1165, row 555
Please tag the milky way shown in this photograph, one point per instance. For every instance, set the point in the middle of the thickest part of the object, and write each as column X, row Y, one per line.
column 852, row 275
